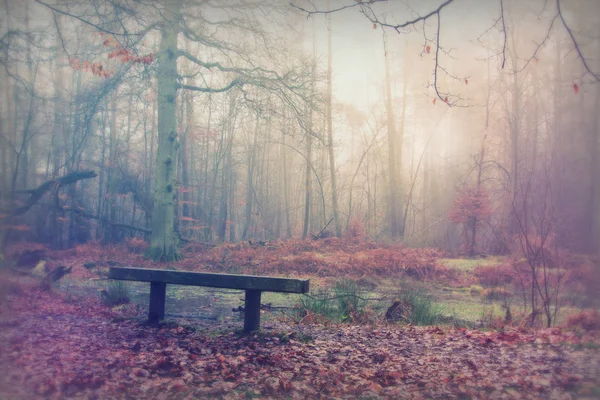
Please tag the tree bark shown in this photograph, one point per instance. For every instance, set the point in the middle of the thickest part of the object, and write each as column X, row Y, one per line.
column 164, row 241
column 334, row 194
column 392, row 150
column 250, row 180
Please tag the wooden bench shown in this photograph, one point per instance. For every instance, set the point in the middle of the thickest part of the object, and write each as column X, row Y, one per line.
column 253, row 285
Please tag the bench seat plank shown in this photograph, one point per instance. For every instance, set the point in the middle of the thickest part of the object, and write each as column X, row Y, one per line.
column 241, row 282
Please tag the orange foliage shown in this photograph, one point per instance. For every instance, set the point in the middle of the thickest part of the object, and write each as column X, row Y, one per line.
column 495, row 275
column 327, row 257
column 120, row 53
column 136, row 245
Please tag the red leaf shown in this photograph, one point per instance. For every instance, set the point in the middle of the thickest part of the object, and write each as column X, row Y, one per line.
column 466, row 81
column 446, row 99
column 576, row 88
column 374, row 26
column 434, row 101
column 427, row 49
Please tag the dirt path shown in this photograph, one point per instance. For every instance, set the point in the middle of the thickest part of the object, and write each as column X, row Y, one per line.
column 55, row 349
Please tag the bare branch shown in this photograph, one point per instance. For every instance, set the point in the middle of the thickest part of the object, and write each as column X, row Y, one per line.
column 575, row 44
column 503, row 32
column 231, row 85
column 315, row 10
column 540, row 45
column 412, row 22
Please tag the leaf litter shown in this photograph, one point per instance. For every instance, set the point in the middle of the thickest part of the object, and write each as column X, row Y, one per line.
column 54, row 348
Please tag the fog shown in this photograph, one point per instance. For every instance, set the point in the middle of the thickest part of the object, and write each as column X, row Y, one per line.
column 470, row 129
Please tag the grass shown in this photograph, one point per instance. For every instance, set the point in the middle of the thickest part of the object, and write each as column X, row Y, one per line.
column 468, row 264
column 117, row 292
column 465, row 307
column 344, row 303
column 336, row 300
column 420, row 308
column 349, row 300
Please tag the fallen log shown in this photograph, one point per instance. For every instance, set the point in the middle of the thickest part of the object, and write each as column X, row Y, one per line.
column 54, row 184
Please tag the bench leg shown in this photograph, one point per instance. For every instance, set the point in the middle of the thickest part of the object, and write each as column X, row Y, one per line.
column 252, row 311
column 157, row 302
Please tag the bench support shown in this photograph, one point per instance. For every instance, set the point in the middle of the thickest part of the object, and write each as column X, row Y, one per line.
column 157, row 302
column 252, row 311
column 253, row 285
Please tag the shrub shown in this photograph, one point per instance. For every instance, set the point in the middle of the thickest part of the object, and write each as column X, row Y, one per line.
column 117, row 292
column 494, row 275
column 418, row 308
column 318, row 304
column 496, row 293
column 343, row 304
column 586, row 319
column 350, row 304
column 136, row 245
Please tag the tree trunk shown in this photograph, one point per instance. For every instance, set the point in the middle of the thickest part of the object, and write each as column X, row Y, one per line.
column 307, row 172
column 163, row 243
column 392, row 151
column 334, row 194
column 514, row 136
column 286, row 199
column 595, row 175
column 250, row 180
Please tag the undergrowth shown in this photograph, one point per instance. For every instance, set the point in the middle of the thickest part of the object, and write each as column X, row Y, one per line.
column 117, row 292
column 343, row 303
column 419, row 307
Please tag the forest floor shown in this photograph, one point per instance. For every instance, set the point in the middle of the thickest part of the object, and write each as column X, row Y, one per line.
column 60, row 346
column 64, row 343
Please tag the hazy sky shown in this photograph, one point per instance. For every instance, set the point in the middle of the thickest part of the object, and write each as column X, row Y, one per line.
column 358, row 63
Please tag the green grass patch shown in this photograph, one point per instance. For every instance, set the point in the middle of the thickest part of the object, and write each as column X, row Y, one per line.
column 468, row 264
column 420, row 308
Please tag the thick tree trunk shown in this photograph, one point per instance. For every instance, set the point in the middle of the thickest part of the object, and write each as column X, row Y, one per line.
column 163, row 243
